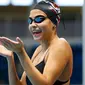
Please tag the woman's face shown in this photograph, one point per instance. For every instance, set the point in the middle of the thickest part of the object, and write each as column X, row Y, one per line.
column 40, row 26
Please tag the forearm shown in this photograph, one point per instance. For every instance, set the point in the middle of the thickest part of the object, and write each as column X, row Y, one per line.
column 13, row 78
column 33, row 74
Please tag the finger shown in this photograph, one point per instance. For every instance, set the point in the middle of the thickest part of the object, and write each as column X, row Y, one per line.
column 4, row 44
column 9, row 40
column 9, row 45
column 19, row 40
column 12, row 46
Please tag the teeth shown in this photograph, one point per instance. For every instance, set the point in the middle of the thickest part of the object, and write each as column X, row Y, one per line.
column 37, row 28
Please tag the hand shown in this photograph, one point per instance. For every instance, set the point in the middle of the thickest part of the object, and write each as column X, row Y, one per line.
column 5, row 52
column 15, row 46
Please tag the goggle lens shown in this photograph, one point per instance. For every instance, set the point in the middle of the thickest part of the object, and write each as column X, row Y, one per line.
column 37, row 19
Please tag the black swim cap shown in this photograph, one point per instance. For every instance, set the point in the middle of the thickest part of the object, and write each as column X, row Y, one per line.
column 50, row 9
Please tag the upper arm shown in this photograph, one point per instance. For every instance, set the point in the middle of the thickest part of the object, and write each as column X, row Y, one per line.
column 56, row 62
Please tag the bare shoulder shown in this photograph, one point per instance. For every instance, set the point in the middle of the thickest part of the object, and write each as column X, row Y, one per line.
column 63, row 41
column 61, row 47
column 65, row 45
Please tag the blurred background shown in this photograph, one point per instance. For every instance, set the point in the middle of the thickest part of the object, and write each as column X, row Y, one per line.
column 13, row 22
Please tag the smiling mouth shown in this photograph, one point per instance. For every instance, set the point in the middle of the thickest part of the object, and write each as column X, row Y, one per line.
column 37, row 32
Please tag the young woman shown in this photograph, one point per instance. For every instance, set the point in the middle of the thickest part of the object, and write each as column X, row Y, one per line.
column 52, row 61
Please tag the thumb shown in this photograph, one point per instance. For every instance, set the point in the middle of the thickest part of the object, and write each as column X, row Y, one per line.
column 19, row 40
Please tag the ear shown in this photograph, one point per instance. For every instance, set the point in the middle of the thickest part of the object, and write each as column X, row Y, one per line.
column 54, row 27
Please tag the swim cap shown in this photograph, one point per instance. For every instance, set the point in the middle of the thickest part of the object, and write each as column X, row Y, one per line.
column 50, row 9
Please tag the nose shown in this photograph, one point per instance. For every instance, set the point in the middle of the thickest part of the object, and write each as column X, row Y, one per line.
column 33, row 25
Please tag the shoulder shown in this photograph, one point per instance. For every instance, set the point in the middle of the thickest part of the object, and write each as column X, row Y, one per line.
column 61, row 43
column 61, row 49
column 64, row 45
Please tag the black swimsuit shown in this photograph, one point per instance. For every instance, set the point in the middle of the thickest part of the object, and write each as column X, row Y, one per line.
column 40, row 67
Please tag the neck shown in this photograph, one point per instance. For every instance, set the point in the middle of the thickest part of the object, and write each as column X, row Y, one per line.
column 47, row 43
